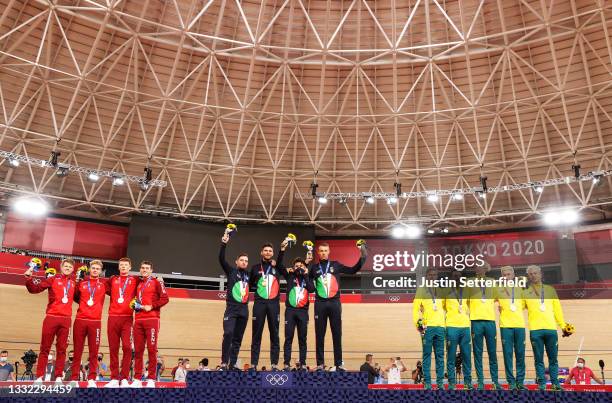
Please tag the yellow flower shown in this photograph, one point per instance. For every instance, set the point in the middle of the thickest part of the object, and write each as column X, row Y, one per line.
column 361, row 242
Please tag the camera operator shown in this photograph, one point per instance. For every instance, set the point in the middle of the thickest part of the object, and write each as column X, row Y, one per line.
column 7, row 372
column 373, row 371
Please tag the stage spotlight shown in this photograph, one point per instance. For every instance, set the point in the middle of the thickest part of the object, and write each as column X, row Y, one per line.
column 552, row 218
column 30, row 206
column 538, row 188
column 569, row 216
column 148, row 175
column 369, row 198
column 313, row 189
column 483, row 183
column 576, row 169
column 342, row 200
column 458, row 196
column 481, row 194
column 14, row 162
column 53, row 159
column 144, row 186
column 433, row 198
column 322, row 199
column 398, row 189
column 62, row 171
column 431, row 231
column 597, row 177
column 398, row 232
column 413, row 231
column 93, row 177
column 391, row 200
column 445, row 230
column 118, row 181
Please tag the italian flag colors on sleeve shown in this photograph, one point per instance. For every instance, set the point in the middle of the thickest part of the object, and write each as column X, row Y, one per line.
column 327, row 286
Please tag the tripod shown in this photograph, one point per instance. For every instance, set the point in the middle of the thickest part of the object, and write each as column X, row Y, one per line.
column 27, row 375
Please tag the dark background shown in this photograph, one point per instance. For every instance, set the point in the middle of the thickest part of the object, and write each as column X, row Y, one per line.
column 192, row 248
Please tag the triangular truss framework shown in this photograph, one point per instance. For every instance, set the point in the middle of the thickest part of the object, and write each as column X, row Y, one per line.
column 239, row 104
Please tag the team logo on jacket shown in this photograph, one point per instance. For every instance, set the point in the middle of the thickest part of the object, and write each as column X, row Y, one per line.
column 267, row 286
column 240, row 292
column 298, row 297
column 327, row 286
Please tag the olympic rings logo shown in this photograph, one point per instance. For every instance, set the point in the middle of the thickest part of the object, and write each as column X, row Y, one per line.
column 277, row 379
column 580, row 293
column 222, row 295
column 394, row 298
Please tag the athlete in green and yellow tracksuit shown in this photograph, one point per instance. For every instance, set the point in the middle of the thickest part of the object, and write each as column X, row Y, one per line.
column 458, row 335
column 544, row 314
column 512, row 330
column 428, row 306
column 482, row 314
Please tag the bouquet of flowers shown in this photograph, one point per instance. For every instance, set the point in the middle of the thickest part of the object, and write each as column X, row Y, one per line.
column 230, row 229
column 34, row 264
column 135, row 305
column 308, row 245
column 50, row 271
column 568, row 330
column 291, row 239
column 81, row 272
column 361, row 242
column 422, row 326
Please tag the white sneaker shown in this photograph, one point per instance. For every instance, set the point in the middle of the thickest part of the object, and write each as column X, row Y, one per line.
column 58, row 381
column 150, row 383
column 136, row 383
column 112, row 384
column 73, row 384
column 125, row 383
column 92, row 384
column 38, row 381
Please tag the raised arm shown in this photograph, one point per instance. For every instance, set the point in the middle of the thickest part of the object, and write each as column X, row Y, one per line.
column 280, row 266
column 357, row 266
column 224, row 265
column 35, row 285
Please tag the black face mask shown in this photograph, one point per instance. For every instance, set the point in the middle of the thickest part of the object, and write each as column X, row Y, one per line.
column 70, row 358
column 99, row 358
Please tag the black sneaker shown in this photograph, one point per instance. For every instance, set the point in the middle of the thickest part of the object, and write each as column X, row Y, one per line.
column 320, row 368
column 340, row 369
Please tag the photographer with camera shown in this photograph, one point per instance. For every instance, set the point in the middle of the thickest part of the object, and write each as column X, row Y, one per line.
column 373, row 371
column 58, row 319
column 417, row 374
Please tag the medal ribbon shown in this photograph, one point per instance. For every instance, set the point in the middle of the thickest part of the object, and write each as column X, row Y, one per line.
column 433, row 295
column 91, row 294
column 142, row 289
column 459, row 297
column 67, row 287
column 324, row 273
column 122, row 288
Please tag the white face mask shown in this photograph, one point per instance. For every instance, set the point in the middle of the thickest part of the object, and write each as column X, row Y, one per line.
column 3, row 359
column 187, row 366
column 50, row 357
column 580, row 365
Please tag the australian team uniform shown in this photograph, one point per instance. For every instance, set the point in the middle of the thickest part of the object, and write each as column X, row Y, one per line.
column 265, row 279
column 429, row 303
column 299, row 287
column 146, row 325
column 89, row 294
column 236, row 313
column 458, row 336
column 326, row 278
column 512, row 330
column 58, row 318
column 122, row 290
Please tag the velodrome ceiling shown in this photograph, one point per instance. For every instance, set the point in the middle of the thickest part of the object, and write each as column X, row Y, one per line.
column 237, row 105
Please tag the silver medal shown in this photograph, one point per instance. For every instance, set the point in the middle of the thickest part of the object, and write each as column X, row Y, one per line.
column 513, row 308
column 435, row 307
column 483, row 300
column 120, row 300
column 542, row 307
column 65, row 300
column 90, row 302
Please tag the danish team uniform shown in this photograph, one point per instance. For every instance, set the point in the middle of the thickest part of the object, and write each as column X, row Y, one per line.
column 89, row 294
column 544, row 314
column 326, row 278
column 482, row 315
column 236, row 313
column 512, row 330
column 146, row 325
column 429, row 303
column 265, row 278
column 122, row 289
column 299, row 288
column 458, row 335
column 58, row 318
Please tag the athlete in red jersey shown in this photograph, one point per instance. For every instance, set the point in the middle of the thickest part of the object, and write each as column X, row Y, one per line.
column 89, row 294
column 150, row 297
column 122, row 290
column 58, row 318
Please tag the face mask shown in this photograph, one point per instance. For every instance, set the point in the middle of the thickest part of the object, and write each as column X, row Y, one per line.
column 187, row 366
column 3, row 359
column 580, row 365
column 99, row 358
column 50, row 357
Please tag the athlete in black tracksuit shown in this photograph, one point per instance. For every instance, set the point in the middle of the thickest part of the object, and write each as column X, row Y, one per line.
column 299, row 287
column 326, row 277
column 264, row 277
column 236, row 314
